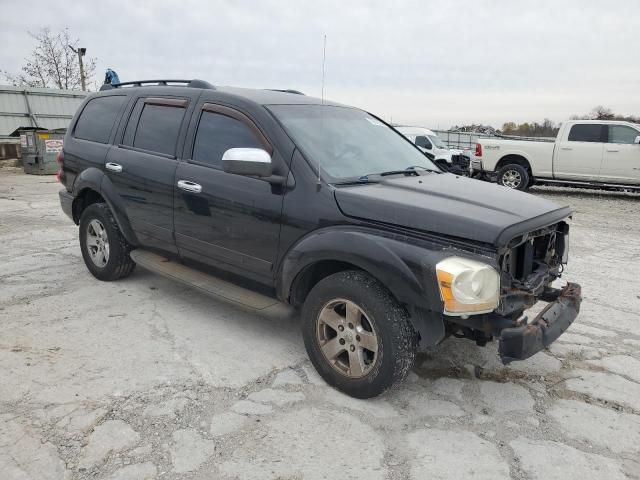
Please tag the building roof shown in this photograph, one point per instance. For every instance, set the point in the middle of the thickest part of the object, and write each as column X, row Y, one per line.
column 46, row 108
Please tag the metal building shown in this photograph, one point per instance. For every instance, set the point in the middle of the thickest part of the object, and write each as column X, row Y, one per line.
column 45, row 108
column 460, row 140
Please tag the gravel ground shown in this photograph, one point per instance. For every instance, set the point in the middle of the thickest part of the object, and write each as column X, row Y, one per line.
column 145, row 378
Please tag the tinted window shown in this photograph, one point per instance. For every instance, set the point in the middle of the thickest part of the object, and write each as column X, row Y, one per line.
column 130, row 131
column 423, row 142
column 622, row 134
column 97, row 118
column 218, row 133
column 586, row 133
column 158, row 128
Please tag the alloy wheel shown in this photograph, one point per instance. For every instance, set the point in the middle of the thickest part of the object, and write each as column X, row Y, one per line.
column 97, row 243
column 511, row 179
column 347, row 338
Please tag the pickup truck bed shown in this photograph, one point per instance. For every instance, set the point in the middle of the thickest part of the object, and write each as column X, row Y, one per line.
column 585, row 153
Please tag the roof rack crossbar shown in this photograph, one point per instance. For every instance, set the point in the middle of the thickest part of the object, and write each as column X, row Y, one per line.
column 195, row 83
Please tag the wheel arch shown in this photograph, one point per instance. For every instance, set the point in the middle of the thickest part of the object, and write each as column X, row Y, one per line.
column 93, row 186
column 514, row 158
column 329, row 251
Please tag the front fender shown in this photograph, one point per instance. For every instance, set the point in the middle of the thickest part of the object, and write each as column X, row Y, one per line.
column 399, row 265
column 95, row 179
column 404, row 267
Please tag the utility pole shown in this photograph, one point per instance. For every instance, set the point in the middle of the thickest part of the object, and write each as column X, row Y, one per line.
column 81, row 52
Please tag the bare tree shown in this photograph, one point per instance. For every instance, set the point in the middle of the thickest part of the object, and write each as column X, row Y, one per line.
column 53, row 63
column 602, row 113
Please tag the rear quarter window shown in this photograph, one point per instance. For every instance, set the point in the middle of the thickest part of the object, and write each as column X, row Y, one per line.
column 97, row 118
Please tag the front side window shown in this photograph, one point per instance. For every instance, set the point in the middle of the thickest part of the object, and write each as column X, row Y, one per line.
column 423, row 142
column 217, row 133
column 158, row 128
column 347, row 143
column 97, row 119
column 622, row 134
column 586, row 132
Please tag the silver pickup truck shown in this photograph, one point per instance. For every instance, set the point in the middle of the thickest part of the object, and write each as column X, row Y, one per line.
column 594, row 153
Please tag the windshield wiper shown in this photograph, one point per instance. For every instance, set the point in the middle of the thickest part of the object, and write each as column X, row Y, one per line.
column 407, row 171
column 364, row 180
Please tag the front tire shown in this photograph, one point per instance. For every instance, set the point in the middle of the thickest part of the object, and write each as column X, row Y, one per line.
column 104, row 249
column 357, row 335
column 514, row 176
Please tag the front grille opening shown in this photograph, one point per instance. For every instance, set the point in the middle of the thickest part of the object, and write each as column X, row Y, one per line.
column 524, row 259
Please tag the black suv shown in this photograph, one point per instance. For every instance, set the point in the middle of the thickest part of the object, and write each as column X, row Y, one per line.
column 258, row 195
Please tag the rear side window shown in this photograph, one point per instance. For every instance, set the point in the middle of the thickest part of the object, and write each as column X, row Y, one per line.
column 158, row 128
column 218, row 133
column 97, row 118
column 622, row 134
column 586, row 133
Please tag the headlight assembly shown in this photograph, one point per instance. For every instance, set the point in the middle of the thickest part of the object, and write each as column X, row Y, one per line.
column 467, row 286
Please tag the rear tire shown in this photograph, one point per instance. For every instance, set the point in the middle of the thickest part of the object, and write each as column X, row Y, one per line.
column 357, row 335
column 104, row 249
column 514, row 176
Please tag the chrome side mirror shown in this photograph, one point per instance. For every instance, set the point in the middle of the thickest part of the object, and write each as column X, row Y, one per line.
column 247, row 161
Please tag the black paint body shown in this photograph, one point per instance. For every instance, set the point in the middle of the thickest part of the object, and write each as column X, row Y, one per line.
column 271, row 234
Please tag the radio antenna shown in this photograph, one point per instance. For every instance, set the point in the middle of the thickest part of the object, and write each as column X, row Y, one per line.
column 324, row 57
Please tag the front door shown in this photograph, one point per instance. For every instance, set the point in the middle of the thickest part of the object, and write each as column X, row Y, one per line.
column 142, row 168
column 225, row 220
column 621, row 161
column 578, row 155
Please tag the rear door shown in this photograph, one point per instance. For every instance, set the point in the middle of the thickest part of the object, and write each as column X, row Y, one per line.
column 142, row 167
column 91, row 136
column 578, row 154
column 225, row 220
column 621, row 161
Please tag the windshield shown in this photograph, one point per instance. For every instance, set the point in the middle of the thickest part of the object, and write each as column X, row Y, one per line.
column 347, row 143
column 437, row 142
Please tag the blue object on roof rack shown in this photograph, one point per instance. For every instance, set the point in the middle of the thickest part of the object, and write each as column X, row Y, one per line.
column 111, row 77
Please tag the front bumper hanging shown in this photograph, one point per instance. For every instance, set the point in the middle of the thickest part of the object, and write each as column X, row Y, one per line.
column 519, row 343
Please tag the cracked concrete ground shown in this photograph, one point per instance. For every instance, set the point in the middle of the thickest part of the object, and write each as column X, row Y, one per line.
column 144, row 378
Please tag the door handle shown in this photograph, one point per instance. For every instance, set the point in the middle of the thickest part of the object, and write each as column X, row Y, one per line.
column 566, row 148
column 612, row 151
column 188, row 186
column 113, row 167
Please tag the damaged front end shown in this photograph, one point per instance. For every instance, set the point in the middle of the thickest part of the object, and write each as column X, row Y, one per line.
column 528, row 267
column 520, row 342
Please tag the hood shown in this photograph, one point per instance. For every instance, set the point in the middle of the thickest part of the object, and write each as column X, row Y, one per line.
column 450, row 205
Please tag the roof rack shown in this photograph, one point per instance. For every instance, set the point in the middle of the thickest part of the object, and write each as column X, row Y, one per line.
column 195, row 83
column 296, row 92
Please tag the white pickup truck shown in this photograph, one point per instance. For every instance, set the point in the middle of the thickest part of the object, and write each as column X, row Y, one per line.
column 594, row 153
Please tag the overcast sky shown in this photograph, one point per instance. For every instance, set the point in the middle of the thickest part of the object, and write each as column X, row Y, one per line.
column 433, row 63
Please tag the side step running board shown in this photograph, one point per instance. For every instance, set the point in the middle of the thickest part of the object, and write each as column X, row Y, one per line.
column 202, row 281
